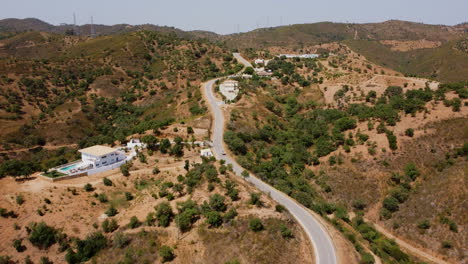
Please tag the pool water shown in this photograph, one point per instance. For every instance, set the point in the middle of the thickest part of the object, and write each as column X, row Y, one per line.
column 67, row 168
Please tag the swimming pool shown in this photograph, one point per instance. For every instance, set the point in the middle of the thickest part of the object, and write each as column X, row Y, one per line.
column 69, row 167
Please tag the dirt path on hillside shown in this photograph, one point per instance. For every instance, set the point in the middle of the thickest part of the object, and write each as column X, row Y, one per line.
column 48, row 147
column 432, row 257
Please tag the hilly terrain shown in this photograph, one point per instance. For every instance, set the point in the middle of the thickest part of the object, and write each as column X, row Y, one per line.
column 59, row 90
column 377, row 153
column 371, row 136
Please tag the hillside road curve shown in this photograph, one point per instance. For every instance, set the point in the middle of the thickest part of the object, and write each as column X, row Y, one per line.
column 324, row 249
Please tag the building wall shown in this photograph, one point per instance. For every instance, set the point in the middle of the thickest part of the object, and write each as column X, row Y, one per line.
column 105, row 160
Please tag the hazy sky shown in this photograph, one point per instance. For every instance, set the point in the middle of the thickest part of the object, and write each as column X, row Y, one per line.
column 228, row 16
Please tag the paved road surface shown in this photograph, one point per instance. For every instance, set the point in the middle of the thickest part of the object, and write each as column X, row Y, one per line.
column 324, row 249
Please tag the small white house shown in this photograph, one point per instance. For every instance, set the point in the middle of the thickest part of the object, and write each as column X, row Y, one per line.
column 135, row 143
column 206, row 153
column 259, row 61
column 99, row 156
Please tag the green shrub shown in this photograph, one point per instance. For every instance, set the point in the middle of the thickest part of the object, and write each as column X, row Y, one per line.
column 255, row 199
column 447, row 244
column 286, row 232
column 255, row 224
column 217, row 203
column 412, row 171
column 166, row 253
column 214, row 219
column 230, row 215
column 88, row 187
column 359, row 204
column 391, row 204
column 164, row 214
column 107, row 182
column 125, row 169
column 367, row 258
column 120, row 240
column 134, row 222
column 45, row 260
column 86, row 249
column 109, row 226
column 424, row 224
column 18, row 245
column 111, row 211
column 409, row 132
column 42, row 236
column 280, row 208
column 19, row 199
column 128, row 196
column 102, row 197
column 156, row 171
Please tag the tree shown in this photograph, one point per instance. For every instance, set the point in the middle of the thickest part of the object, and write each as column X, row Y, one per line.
column 164, row 145
column 166, row 253
column 150, row 141
column 124, row 168
column 177, row 150
column 214, row 219
column 87, row 248
column 42, row 235
column 164, row 214
column 107, row 182
column 245, row 174
column 255, row 224
column 217, row 203
column 190, row 130
column 17, row 168
column 249, row 70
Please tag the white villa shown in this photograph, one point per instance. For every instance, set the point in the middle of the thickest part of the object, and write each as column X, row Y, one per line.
column 230, row 89
column 95, row 159
column 99, row 156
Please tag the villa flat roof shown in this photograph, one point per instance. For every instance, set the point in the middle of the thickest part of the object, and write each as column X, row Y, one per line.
column 98, row 150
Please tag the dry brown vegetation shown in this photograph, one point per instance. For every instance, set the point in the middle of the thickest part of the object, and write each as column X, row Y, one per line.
column 75, row 211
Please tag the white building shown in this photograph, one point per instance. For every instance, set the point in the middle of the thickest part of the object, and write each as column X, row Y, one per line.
column 99, row 156
column 259, row 61
column 206, row 153
column 135, row 143
column 304, row 56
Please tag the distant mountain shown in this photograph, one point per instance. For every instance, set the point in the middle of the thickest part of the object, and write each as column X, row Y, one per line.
column 13, row 25
column 324, row 32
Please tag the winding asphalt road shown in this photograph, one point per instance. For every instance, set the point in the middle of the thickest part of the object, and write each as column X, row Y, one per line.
column 324, row 249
